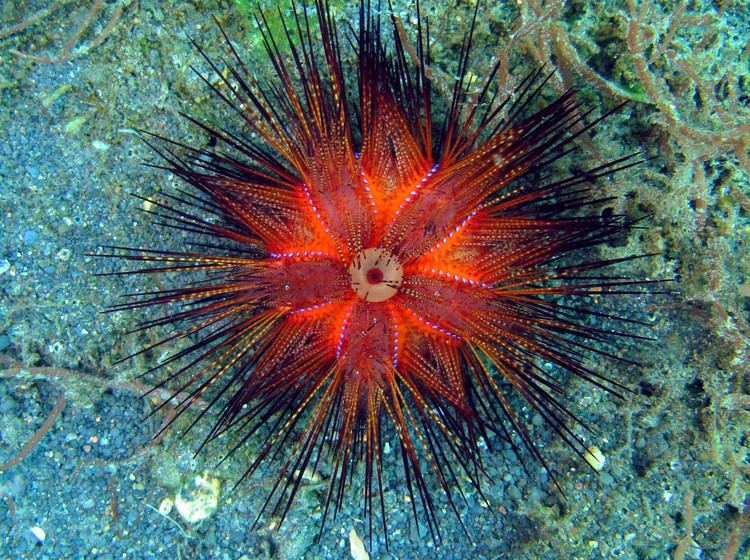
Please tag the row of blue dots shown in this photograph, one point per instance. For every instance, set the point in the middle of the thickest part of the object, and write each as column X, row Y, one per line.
column 395, row 339
column 413, row 194
column 458, row 228
column 434, row 326
column 342, row 334
column 315, row 208
column 456, row 277
column 310, row 308
column 367, row 190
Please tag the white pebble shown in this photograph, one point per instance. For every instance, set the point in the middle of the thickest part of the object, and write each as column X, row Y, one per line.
column 165, row 506
column 594, row 457
column 39, row 533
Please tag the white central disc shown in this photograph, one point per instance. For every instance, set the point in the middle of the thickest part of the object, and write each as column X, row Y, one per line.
column 376, row 275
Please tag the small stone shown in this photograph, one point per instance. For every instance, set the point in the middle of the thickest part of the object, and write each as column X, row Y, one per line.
column 357, row 546
column 198, row 497
column 166, row 505
column 74, row 125
column 88, row 503
column 309, row 476
column 514, row 493
column 594, row 457
column 30, row 236
column 38, row 533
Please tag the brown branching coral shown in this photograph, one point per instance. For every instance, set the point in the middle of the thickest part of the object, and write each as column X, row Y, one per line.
column 683, row 67
column 690, row 68
column 94, row 20
column 687, row 64
column 74, row 384
column 75, row 381
column 736, row 535
column 684, row 70
column 29, row 446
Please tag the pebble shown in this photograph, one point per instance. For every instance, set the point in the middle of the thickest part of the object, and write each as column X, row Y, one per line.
column 64, row 254
column 198, row 497
column 30, row 236
column 39, row 533
column 357, row 546
column 166, row 505
column 88, row 503
column 514, row 493
column 594, row 457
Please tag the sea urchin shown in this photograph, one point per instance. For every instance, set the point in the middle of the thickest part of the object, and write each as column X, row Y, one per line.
column 366, row 274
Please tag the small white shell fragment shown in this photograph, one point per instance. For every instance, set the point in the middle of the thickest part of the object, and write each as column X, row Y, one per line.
column 594, row 457
column 39, row 533
column 166, row 505
column 99, row 145
column 357, row 547
column 198, row 497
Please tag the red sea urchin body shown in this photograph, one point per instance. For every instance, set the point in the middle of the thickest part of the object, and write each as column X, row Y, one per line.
column 403, row 284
